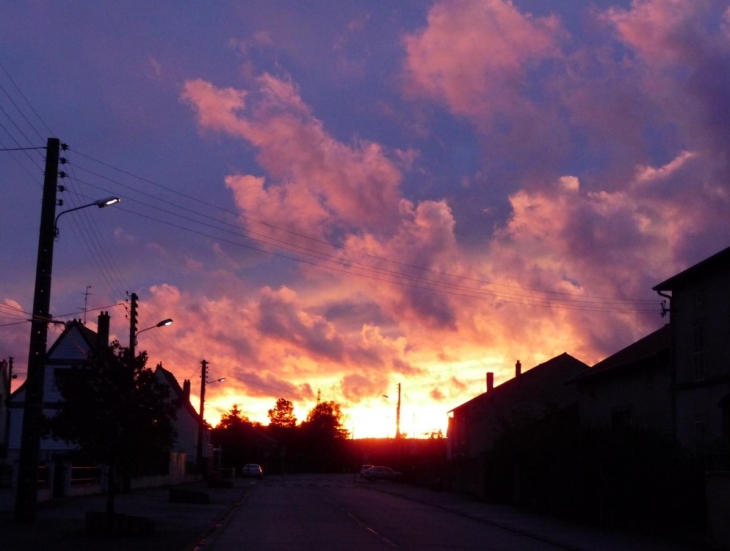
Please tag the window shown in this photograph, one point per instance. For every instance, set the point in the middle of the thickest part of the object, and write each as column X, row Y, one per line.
column 698, row 350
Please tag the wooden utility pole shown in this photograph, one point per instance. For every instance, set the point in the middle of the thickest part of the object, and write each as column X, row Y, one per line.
column 27, row 490
column 201, row 426
column 133, row 324
column 397, row 415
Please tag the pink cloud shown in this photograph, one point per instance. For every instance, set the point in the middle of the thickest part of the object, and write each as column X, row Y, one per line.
column 666, row 31
column 321, row 179
column 474, row 54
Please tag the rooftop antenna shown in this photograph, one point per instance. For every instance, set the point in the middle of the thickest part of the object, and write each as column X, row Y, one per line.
column 86, row 300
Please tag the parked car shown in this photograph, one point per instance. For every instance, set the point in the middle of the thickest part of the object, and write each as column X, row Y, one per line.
column 364, row 469
column 252, row 470
column 381, row 473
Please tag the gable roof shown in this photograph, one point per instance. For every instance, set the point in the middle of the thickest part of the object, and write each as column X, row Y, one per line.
column 177, row 391
column 647, row 347
column 89, row 336
column 716, row 261
column 531, row 383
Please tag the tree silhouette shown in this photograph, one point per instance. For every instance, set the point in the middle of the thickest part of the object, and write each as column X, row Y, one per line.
column 241, row 440
column 282, row 415
column 234, row 420
column 326, row 418
column 116, row 411
column 323, row 438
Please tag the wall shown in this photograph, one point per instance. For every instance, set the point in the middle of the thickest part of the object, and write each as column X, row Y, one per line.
column 705, row 303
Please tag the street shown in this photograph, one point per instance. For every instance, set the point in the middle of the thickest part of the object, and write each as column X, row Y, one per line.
column 315, row 512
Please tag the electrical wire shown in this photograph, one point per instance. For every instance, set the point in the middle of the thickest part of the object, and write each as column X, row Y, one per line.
column 582, row 304
column 240, row 215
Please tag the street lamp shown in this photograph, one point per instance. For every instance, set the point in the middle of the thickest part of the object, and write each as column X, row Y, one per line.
column 101, row 203
column 27, row 487
column 133, row 340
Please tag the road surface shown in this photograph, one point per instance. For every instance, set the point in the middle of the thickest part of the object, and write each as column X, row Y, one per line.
column 325, row 512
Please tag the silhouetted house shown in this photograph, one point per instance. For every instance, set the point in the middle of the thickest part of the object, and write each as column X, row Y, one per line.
column 700, row 334
column 529, row 396
column 187, row 419
column 71, row 348
column 4, row 397
column 631, row 388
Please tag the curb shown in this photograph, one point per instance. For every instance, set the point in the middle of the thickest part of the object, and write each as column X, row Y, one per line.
column 200, row 543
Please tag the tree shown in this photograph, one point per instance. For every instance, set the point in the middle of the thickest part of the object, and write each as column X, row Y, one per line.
column 233, row 420
column 239, row 438
column 116, row 411
column 282, row 415
column 327, row 418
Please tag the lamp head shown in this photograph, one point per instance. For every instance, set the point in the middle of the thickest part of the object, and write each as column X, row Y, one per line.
column 164, row 323
column 101, row 203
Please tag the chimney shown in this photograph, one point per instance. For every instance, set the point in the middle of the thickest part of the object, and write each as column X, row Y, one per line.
column 102, row 331
column 490, row 381
column 186, row 389
column 518, row 369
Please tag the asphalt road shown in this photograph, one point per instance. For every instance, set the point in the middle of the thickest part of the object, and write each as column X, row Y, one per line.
column 320, row 512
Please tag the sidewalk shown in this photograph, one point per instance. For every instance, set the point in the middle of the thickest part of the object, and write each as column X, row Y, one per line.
column 60, row 523
column 565, row 535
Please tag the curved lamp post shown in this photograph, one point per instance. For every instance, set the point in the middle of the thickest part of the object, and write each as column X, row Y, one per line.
column 133, row 342
column 27, row 485
column 101, row 203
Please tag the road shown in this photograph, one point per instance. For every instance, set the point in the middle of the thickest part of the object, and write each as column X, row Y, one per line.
column 323, row 512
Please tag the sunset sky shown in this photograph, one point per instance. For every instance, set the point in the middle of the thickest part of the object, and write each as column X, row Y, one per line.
column 340, row 196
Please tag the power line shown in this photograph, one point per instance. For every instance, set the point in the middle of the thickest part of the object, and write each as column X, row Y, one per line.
column 277, row 228
column 10, row 78
column 564, row 303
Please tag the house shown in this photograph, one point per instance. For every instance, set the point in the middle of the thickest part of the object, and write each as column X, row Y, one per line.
column 699, row 299
column 75, row 344
column 72, row 347
column 5, row 380
column 631, row 388
column 187, row 419
column 474, row 425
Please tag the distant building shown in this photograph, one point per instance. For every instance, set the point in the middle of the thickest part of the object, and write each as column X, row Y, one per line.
column 700, row 335
column 529, row 396
column 631, row 388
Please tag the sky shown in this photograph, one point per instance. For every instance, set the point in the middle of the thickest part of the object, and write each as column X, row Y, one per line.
column 334, row 197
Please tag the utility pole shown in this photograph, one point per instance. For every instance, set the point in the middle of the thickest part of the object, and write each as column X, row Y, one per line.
column 397, row 416
column 201, row 426
column 27, row 490
column 133, row 324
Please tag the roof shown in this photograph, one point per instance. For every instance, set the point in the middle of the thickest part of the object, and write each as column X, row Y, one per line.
column 177, row 391
column 647, row 347
column 87, row 334
column 556, row 370
column 715, row 262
